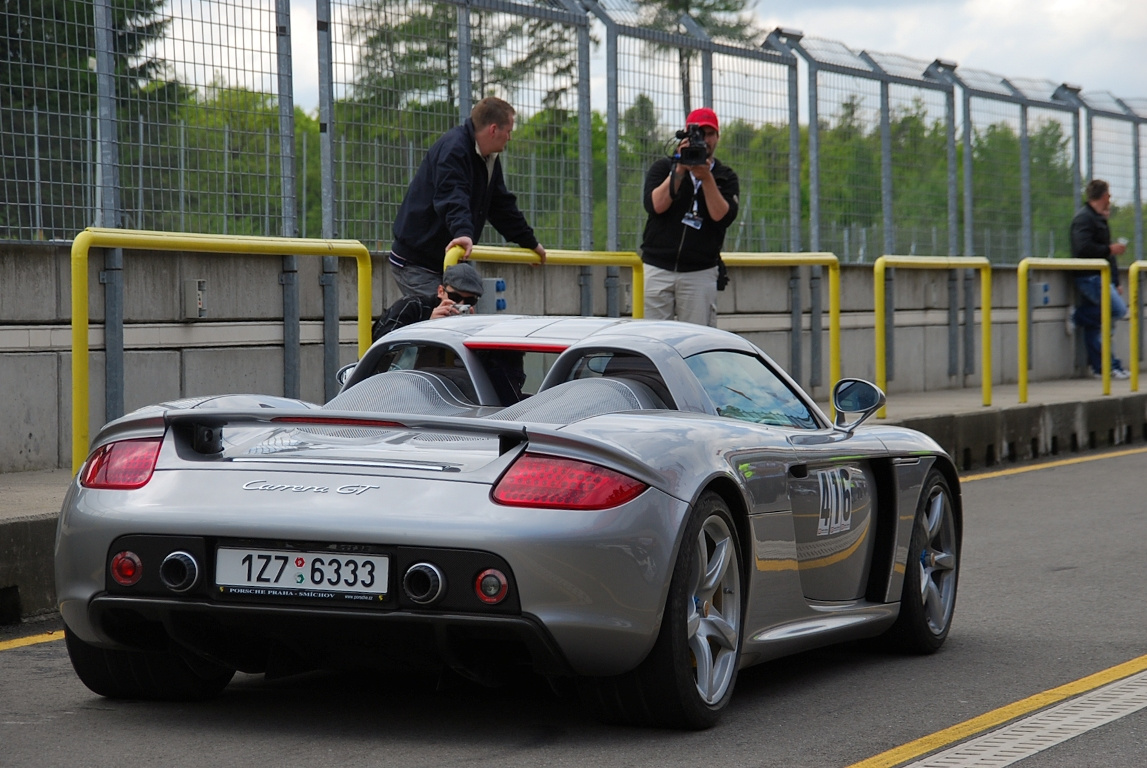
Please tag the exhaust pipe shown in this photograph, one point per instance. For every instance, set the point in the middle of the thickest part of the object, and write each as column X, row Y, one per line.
column 179, row 572
column 424, row 583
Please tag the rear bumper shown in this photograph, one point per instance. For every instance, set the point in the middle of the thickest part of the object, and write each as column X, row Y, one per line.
column 262, row 639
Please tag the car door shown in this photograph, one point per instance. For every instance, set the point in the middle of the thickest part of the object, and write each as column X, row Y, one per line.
column 831, row 484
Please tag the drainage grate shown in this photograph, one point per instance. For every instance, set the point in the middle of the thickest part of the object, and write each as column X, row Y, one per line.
column 1044, row 730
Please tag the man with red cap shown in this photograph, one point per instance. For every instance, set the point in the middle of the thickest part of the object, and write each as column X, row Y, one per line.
column 690, row 202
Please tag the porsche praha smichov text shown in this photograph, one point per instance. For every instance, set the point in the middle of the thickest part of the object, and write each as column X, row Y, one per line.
column 643, row 508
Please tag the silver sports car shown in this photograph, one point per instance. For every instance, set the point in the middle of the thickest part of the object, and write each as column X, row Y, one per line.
column 643, row 508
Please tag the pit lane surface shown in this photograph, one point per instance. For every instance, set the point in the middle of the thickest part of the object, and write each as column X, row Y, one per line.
column 1051, row 591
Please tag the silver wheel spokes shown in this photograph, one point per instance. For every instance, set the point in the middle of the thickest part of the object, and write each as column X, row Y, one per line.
column 714, row 619
column 938, row 562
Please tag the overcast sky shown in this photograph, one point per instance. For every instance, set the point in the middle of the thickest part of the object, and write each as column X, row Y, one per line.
column 1098, row 44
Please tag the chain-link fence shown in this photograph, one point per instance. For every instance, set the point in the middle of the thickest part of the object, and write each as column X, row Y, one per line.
column 179, row 115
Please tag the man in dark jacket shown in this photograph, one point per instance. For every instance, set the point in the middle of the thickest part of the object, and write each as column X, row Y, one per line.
column 689, row 207
column 460, row 289
column 458, row 187
column 1091, row 239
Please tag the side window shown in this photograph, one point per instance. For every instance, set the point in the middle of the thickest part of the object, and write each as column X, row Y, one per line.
column 742, row 387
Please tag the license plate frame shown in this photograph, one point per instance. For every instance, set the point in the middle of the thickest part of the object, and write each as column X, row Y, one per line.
column 259, row 572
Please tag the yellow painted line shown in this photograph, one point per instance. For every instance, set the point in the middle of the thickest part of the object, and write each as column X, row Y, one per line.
column 20, row 642
column 1053, row 464
column 997, row 717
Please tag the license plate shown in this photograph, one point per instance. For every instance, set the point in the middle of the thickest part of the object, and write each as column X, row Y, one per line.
column 244, row 572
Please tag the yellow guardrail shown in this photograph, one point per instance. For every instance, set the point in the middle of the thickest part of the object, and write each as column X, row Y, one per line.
column 936, row 262
column 1136, row 315
column 562, row 258
column 1092, row 265
column 134, row 239
column 799, row 260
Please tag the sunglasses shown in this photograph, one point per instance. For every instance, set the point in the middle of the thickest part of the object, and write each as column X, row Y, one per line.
column 458, row 298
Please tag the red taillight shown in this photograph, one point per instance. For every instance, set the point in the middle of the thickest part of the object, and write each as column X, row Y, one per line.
column 123, row 465
column 126, row 568
column 555, row 483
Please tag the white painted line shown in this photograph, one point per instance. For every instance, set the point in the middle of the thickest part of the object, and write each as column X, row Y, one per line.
column 1046, row 729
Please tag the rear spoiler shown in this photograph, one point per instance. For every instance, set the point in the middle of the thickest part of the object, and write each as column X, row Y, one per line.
column 205, row 430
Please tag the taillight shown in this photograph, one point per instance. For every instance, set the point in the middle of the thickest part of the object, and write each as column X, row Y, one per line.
column 556, row 483
column 126, row 568
column 122, row 466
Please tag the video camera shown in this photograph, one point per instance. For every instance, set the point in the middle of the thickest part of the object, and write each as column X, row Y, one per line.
column 696, row 152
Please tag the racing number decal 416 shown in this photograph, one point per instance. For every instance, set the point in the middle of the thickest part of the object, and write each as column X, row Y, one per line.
column 835, row 501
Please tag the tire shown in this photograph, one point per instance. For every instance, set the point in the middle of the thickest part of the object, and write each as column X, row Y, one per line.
column 688, row 677
column 156, row 676
column 931, row 572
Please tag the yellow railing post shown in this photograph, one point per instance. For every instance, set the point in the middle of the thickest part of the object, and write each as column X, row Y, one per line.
column 565, row 259
column 1136, row 313
column 1096, row 265
column 935, row 262
column 798, row 260
column 133, row 239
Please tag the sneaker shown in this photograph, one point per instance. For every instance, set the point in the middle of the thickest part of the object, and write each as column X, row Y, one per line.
column 1094, row 374
column 1119, row 373
column 1069, row 320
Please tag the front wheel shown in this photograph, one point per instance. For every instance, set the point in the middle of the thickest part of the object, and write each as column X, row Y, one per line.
column 153, row 675
column 931, row 574
column 688, row 677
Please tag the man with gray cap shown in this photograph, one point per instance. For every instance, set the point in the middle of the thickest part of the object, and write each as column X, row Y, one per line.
column 460, row 288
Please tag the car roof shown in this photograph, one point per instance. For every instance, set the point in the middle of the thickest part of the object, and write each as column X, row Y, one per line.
column 562, row 332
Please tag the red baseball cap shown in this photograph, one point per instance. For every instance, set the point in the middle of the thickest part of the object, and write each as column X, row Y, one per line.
column 703, row 117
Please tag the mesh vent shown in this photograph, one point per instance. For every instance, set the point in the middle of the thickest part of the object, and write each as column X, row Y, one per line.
column 574, row 401
column 402, row 392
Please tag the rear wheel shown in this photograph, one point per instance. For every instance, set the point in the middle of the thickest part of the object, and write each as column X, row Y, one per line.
column 688, row 677
column 931, row 574
column 155, row 675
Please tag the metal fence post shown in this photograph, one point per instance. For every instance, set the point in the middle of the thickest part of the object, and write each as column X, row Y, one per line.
column 1025, row 185
column 1137, row 176
column 795, row 319
column 465, row 79
column 110, row 211
column 291, row 314
column 585, row 152
column 328, row 279
column 613, row 159
column 886, row 175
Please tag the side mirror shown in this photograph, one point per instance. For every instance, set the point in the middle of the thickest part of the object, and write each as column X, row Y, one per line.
column 855, row 396
column 344, row 373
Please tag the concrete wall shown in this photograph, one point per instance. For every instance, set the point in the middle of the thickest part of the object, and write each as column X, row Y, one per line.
column 237, row 347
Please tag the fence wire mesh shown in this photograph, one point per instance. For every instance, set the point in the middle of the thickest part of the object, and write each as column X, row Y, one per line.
column 47, row 109
column 919, row 129
column 396, row 81
column 654, row 94
column 751, row 100
column 1112, row 161
column 1054, row 189
column 996, row 214
column 851, row 216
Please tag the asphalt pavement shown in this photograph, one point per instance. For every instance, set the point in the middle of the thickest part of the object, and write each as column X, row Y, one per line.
column 1060, row 417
